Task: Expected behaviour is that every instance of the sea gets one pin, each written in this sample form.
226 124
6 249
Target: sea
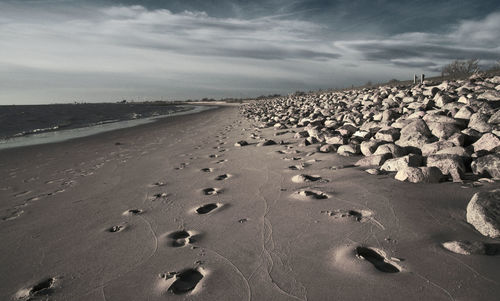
22 125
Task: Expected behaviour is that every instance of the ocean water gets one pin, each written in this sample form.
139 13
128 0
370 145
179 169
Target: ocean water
37 124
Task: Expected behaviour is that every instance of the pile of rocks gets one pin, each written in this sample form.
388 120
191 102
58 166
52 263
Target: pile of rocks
424 133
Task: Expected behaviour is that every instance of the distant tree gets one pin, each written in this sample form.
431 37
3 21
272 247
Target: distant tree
369 83
393 81
461 68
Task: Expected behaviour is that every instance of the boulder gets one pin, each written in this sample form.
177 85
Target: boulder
397 164
465 247
432 148
483 212
337 140
488 166
415 134
348 150
370 146
419 174
266 143
443 130
449 165
488 142
391 148
479 122
327 148
388 134
373 160
241 143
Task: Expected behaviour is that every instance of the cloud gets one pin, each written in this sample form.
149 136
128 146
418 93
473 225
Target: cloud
469 39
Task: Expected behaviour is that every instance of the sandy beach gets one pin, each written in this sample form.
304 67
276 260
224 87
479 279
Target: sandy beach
173 210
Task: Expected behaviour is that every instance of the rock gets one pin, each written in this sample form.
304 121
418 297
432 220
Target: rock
327 148
419 174
373 171
347 130
415 134
373 160
441 99
391 148
266 143
483 212
479 122
449 165
389 134
495 118
487 166
336 140
370 146
444 130
397 164
455 150
301 134
464 113
348 150
465 247
241 143
432 148
487 142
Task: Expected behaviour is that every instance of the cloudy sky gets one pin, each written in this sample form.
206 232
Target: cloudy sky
88 50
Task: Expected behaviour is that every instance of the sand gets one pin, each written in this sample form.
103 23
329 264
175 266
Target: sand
174 210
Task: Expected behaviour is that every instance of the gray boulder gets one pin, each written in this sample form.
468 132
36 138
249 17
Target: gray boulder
487 166
487 142
483 212
449 165
419 175
397 164
373 160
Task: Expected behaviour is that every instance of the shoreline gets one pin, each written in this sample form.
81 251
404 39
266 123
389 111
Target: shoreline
60 135
96 220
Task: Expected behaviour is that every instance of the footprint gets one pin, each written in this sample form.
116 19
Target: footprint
132 212
211 191
13 215
221 161
207 208
159 184
207 169
298 166
181 238
185 281
43 288
302 178
222 177
377 258
115 229
310 194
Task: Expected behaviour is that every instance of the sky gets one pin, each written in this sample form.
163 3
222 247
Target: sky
54 51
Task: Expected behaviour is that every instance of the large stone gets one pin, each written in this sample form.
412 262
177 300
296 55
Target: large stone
415 134
337 140
487 142
487 166
373 160
483 212
348 150
370 146
455 150
495 118
419 174
391 148
397 164
466 247
432 148
479 122
449 165
465 113
389 134
444 130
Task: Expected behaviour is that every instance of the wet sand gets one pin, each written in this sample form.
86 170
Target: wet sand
174 210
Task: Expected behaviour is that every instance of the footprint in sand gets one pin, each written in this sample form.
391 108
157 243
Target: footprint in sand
207 169
115 229
377 258
310 195
159 184
221 161
43 288
303 178
222 177
211 191
205 209
13 215
181 238
132 212
183 282
298 166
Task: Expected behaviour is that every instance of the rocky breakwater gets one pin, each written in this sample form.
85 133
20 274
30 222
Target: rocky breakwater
422 133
